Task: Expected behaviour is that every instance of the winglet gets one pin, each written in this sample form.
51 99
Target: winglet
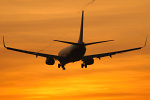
145 42
4 42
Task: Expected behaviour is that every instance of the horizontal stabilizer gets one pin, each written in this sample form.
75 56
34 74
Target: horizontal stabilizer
66 42
97 42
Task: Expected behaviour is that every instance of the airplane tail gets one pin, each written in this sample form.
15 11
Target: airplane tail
81 36
81 30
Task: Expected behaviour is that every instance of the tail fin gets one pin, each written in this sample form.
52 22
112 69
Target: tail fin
81 30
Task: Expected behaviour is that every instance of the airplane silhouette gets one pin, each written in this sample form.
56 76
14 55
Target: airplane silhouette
74 52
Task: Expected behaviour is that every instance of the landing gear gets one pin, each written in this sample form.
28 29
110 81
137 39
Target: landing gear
63 67
83 65
59 65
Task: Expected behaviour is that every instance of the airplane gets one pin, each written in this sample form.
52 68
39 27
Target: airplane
74 52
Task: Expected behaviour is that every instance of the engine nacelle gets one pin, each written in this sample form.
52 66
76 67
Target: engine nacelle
88 61
50 61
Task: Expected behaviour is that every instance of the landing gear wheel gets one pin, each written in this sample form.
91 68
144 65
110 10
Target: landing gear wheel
85 66
63 67
59 65
82 65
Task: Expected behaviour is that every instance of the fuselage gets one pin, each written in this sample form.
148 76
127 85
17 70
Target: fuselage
72 53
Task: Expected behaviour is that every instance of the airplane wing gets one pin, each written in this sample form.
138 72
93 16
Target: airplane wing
30 52
112 53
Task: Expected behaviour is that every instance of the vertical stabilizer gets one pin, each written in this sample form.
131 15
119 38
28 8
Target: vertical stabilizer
81 30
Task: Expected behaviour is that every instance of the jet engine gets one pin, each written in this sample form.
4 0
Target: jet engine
50 61
88 61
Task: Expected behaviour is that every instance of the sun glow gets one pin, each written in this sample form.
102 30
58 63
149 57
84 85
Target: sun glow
33 25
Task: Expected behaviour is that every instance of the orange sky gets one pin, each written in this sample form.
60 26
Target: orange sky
34 24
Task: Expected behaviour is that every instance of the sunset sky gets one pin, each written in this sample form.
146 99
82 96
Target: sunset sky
34 24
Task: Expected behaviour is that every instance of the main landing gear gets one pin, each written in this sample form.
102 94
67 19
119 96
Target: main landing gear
83 65
59 65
